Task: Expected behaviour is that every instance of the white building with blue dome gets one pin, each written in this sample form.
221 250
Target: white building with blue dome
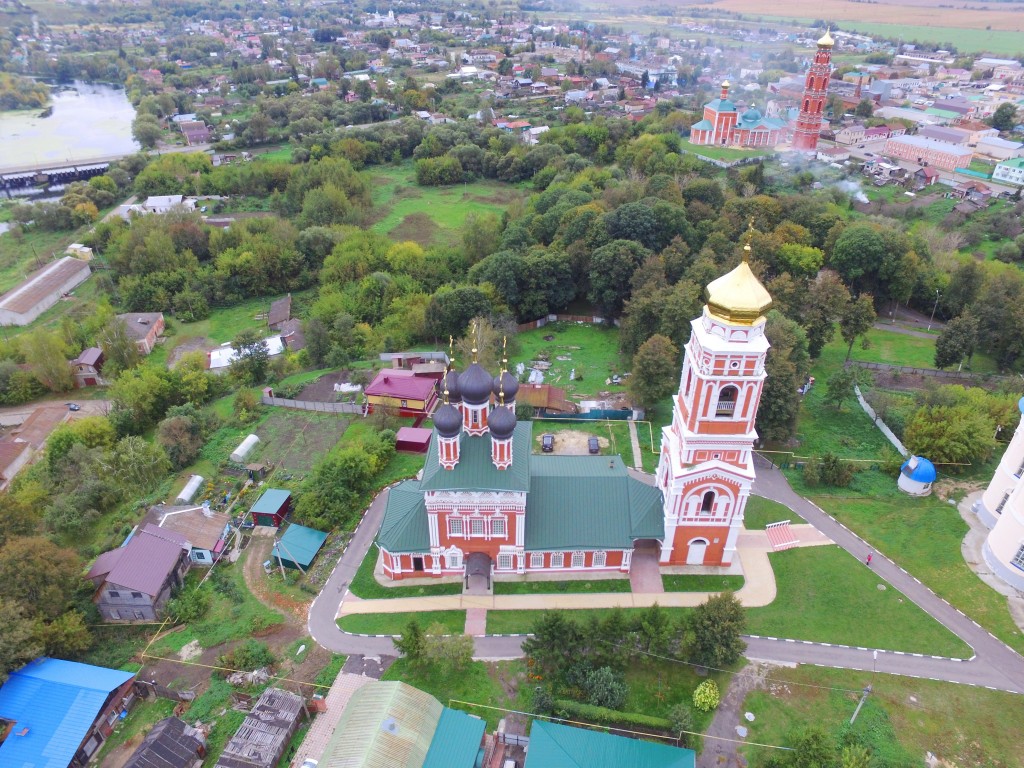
1001 508
916 476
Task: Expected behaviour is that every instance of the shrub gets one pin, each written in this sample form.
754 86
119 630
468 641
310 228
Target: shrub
250 655
706 696
189 606
573 710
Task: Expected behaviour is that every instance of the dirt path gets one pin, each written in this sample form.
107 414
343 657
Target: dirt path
717 752
256 553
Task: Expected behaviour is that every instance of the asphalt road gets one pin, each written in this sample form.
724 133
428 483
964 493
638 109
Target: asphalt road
994 664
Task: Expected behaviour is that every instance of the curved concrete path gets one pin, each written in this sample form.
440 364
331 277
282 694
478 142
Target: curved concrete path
994 665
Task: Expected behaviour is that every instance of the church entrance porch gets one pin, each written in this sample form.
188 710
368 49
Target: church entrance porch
477 579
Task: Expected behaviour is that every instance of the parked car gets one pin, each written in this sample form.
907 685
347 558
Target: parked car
593 446
74 407
547 443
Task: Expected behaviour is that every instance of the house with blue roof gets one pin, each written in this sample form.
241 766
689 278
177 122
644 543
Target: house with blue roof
58 713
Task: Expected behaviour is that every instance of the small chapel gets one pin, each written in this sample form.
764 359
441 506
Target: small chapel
485 505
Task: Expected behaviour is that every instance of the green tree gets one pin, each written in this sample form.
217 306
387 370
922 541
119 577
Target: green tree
856 319
864 109
136 465
655 371
814 749
554 644
65 636
825 300
855 756
605 688
681 717
119 349
706 696
1005 117
146 130
654 630
956 434
411 642
446 654
182 439
19 642
611 269
956 342
251 357
840 386
715 627
786 365
39 575
47 355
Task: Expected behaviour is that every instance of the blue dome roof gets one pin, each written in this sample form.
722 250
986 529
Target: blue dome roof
919 469
751 116
1020 405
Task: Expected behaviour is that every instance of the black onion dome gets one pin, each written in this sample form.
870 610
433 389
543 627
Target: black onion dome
475 385
448 420
451 383
507 383
501 422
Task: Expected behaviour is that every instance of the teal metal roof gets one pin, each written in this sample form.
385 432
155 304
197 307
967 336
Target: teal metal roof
475 472
271 501
722 105
299 544
589 502
560 746
56 702
456 741
702 125
404 528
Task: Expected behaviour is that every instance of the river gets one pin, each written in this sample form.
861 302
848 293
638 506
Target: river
93 121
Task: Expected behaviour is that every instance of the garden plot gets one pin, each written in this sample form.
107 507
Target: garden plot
296 440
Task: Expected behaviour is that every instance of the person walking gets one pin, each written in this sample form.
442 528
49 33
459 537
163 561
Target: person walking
870 555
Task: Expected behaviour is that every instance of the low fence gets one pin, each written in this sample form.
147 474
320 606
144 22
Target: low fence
934 372
513 739
540 322
313 405
595 414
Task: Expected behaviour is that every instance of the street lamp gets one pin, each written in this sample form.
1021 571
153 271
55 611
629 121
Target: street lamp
932 318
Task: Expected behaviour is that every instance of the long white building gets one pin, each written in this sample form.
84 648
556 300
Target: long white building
1001 508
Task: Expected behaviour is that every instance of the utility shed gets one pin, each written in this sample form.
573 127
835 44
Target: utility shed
272 507
262 737
413 439
297 548
169 744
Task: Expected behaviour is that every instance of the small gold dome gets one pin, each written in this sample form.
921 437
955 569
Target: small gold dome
738 297
826 41
725 84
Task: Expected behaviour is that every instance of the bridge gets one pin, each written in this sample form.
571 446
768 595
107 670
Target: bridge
28 176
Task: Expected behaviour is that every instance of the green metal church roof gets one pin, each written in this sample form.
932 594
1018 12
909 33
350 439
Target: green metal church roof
475 472
589 502
404 527
299 545
560 746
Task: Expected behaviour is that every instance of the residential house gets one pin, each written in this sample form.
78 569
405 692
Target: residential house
976 131
169 744
924 177
832 154
272 507
161 204
58 713
87 366
144 327
262 737
206 531
1010 171
195 132
134 581
15 454
280 311
921 150
850 134
402 390
1000 149
553 745
973 192
292 335
41 290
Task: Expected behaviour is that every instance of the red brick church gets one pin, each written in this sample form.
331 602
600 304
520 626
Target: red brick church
486 505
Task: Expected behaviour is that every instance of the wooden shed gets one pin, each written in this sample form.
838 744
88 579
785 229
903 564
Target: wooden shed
272 507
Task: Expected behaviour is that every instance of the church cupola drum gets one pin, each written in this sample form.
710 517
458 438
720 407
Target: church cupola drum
812 105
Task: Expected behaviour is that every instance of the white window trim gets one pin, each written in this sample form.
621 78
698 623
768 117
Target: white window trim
581 556
505 561
460 523
495 523
536 559
477 521
600 559
1018 559
558 559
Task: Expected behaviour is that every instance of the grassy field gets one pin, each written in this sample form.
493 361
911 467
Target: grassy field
592 350
827 596
431 215
454 622
925 536
365 586
480 683
727 154
761 511
901 349
560 587
902 720
695 582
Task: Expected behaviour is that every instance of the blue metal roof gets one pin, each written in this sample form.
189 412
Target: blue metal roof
55 703
1020 405
919 469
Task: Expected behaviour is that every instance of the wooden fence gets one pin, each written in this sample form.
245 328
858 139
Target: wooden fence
313 405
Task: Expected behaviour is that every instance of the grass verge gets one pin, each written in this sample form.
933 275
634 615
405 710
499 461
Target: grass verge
365 586
454 622
695 582
596 586
761 511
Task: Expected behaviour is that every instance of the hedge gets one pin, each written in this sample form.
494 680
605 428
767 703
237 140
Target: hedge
574 710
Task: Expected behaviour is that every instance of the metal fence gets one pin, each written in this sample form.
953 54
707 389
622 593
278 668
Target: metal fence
513 739
934 372
313 405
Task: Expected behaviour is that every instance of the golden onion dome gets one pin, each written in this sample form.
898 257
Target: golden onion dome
826 40
738 297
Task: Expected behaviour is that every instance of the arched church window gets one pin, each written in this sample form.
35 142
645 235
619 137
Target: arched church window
726 401
807 105
707 503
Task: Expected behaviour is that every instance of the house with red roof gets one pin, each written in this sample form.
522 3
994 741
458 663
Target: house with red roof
135 580
402 390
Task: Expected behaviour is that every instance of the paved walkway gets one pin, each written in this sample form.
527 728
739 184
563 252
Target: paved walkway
634 440
320 732
994 665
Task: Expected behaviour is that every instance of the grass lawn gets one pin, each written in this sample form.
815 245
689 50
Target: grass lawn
761 511
480 683
431 215
901 349
224 323
597 586
35 249
902 719
827 596
592 350
925 536
695 582
365 586
454 622
724 153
